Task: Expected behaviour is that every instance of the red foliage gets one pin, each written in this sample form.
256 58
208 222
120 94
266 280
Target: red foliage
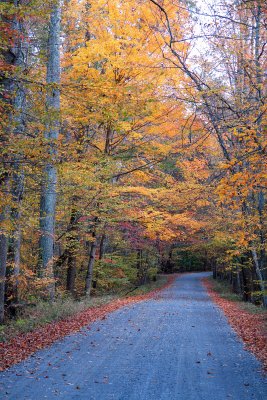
22 346
251 328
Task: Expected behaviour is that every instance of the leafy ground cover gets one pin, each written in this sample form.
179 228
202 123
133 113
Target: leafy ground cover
248 321
19 347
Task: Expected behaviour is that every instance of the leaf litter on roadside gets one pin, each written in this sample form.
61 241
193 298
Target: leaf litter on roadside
23 346
251 328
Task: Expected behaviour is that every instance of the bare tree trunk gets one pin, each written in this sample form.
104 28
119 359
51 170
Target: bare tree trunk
17 191
72 248
141 273
259 276
3 255
49 186
15 54
20 51
15 256
102 246
3 259
246 289
71 272
89 275
214 268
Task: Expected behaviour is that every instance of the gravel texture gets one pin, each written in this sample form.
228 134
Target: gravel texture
177 346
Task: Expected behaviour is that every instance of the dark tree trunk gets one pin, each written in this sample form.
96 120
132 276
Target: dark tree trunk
90 267
169 263
141 276
236 282
71 272
20 51
15 240
246 286
12 94
259 276
102 246
3 263
72 249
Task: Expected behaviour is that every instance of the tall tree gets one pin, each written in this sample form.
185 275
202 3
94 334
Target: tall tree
49 184
13 63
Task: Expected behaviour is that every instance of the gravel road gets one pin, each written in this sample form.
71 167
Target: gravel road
178 346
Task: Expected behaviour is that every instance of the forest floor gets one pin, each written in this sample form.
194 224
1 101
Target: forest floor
175 345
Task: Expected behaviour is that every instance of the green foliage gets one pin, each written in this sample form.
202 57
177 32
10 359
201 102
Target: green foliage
161 280
225 291
114 273
190 260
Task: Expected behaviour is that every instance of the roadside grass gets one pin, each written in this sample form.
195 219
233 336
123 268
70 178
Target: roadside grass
225 291
148 287
43 313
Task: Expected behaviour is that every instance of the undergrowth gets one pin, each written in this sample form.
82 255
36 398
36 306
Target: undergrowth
44 312
225 291
161 281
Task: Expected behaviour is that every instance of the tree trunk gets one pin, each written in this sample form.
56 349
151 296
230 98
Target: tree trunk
15 243
236 282
49 186
141 277
214 268
3 259
71 273
89 275
169 263
262 234
246 286
102 246
20 51
12 93
72 246
259 277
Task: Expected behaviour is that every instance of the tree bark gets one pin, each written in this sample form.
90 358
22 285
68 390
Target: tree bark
246 289
102 246
71 272
89 275
72 248
3 260
3 257
141 273
17 188
259 276
49 185
15 55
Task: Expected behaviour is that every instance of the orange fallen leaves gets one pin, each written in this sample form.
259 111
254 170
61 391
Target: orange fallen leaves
22 346
251 328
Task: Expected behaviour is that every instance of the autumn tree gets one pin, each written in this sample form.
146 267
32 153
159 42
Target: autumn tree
231 98
14 52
